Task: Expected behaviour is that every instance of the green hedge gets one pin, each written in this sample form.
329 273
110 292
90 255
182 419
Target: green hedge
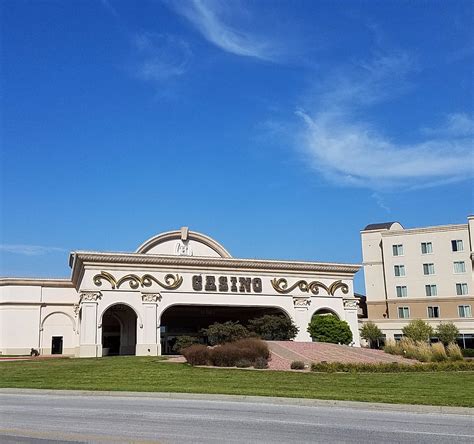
468 352
392 367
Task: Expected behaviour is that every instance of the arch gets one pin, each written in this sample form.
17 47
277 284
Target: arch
59 312
325 311
137 314
177 234
119 324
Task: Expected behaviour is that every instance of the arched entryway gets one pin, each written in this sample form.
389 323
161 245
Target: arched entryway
119 331
188 320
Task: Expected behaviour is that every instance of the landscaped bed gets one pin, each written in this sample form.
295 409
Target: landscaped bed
154 375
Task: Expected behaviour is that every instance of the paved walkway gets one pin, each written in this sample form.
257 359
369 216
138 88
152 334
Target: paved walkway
284 352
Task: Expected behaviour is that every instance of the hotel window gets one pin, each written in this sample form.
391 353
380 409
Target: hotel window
431 290
397 250
401 291
403 312
461 289
399 270
464 311
457 245
459 267
426 248
428 269
433 312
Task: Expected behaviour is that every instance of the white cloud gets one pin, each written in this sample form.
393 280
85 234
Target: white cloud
348 150
29 250
162 56
210 18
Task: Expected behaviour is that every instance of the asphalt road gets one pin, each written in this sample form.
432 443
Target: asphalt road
41 418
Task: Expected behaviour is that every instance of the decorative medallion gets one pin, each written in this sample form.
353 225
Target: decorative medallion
172 282
90 296
281 286
151 297
301 302
351 303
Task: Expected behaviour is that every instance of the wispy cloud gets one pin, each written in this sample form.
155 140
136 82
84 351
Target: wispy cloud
349 150
162 56
212 19
29 250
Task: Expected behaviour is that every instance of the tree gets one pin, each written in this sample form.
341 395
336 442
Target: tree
227 332
273 328
328 328
418 330
447 332
371 333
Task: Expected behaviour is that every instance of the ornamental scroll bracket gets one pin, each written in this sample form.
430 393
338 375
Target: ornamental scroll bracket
351 303
151 297
281 286
171 281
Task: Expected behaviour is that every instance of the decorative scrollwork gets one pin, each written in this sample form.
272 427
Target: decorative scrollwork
281 286
171 281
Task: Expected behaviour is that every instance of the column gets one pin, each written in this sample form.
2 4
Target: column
301 307
88 336
350 314
150 342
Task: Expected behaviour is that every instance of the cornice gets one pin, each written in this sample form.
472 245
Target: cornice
423 230
43 282
81 258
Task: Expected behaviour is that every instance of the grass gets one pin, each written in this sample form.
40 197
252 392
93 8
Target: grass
154 375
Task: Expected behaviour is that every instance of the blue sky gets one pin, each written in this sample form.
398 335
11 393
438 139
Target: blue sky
280 128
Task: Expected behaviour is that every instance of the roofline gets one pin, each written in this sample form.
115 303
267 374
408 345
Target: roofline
43 282
449 227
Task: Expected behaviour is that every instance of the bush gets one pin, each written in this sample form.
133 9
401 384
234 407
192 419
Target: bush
261 363
184 342
328 328
297 365
447 332
273 328
468 352
454 352
196 354
227 355
392 347
423 352
227 332
371 333
418 330
392 367
438 352
243 363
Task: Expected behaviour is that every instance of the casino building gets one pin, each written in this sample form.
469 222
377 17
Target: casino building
175 283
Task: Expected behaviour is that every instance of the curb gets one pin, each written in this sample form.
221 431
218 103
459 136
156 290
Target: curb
368 406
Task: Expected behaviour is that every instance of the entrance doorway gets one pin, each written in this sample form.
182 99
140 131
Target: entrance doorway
119 331
57 345
189 320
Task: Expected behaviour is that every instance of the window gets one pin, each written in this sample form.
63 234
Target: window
459 267
433 312
461 289
464 311
403 312
401 291
457 245
426 248
431 290
397 250
428 269
399 270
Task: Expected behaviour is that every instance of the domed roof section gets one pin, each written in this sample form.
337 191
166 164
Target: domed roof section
183 243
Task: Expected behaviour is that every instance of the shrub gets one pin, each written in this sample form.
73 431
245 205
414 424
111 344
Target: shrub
196 354
243 363
273 328
407 348
418 330
328 328
468 352
371 333
392 347
392 367
297 365
227 332
454 352
184 342
423 352
261 363
227 355
438 352
447 332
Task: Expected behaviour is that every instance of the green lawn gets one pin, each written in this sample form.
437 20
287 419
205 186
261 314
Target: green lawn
155 375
